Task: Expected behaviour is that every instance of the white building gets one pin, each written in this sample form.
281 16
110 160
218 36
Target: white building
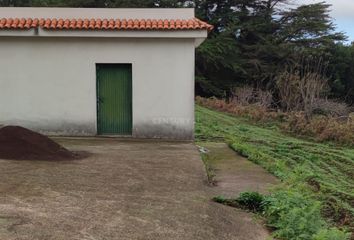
82 72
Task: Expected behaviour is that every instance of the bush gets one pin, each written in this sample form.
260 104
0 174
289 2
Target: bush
301 83
246 96
322 128
331 234
251 200
256 112
292 215
226 201
330 108
296 217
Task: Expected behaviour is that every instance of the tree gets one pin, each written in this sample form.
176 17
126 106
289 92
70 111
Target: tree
256 38
15 3
218 61
112 3
308 27
341 68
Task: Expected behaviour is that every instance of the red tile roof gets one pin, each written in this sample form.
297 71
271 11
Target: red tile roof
104 24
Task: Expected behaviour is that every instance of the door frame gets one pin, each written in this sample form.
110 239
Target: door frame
97 64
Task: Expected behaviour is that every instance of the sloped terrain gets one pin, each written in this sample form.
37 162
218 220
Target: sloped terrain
319 171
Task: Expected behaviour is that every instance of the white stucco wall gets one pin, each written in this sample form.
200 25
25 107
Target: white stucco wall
49 84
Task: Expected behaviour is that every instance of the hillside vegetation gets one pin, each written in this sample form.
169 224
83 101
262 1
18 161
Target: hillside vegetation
314 175
321 127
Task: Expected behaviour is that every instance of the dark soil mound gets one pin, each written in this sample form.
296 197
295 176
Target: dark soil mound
19 143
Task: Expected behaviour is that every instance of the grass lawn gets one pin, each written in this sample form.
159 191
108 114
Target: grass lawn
323 172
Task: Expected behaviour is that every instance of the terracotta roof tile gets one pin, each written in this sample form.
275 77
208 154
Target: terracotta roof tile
104 24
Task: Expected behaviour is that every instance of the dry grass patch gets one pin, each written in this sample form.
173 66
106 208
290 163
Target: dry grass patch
322 128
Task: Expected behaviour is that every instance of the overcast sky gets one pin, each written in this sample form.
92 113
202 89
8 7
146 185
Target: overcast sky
342 12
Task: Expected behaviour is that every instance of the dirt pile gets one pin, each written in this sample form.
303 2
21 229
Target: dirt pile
19 143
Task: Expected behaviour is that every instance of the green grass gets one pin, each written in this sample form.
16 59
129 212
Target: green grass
323 172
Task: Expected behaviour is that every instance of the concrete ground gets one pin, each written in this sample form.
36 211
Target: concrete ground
235 174
123 190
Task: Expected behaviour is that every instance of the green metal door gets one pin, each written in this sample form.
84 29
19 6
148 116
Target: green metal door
114 99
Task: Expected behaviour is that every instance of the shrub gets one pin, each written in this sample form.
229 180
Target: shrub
331 234
330 108
294 216
322 128
219 199
226 201
246 96
251 200
264 98
243 96
301 83
256 112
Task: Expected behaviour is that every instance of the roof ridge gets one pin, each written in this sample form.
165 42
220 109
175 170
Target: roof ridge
103 24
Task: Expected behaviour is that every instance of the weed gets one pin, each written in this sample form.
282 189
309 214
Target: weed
228 202
252 201
210 171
